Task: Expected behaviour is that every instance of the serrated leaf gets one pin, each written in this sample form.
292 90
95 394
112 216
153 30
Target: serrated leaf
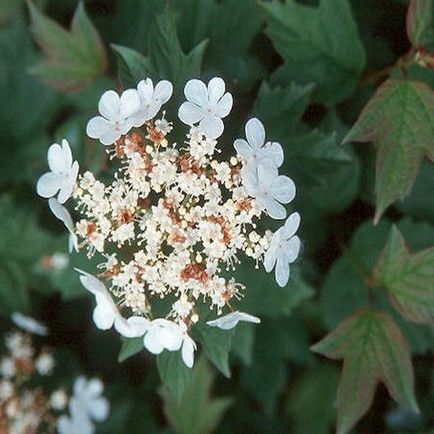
174 375
408 278
399 119
72 59
373 350
129 348
196 412
310 42
420 24
217 345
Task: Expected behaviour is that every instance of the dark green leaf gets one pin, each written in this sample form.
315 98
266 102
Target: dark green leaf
420 24
129 348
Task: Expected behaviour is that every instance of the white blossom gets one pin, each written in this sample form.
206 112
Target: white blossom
151 100
163 334
61 213
116 116
284 249
255 150
77 422
269 188
206 105
63 173
58 400
230 320
29 324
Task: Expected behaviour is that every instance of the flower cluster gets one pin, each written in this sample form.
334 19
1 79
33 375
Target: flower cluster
175 216
26 408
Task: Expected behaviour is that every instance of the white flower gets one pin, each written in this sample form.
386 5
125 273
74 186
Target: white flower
63 173
7 368
151 99
58 400
44 364
116 116
206 105
89 400
163 334
29 324
230 320
61 213
255 150
284 249
269 188
106 314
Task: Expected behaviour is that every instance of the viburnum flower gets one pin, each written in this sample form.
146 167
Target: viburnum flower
63 173
230 320
269 188
61 213
206 105
175 215
151 100
284 249
255 150
116 116
29 324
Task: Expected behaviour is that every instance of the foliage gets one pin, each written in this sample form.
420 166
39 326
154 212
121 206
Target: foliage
347 88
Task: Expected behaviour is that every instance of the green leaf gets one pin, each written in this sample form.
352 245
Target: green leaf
72 59
217 345
174 375
242 342
399 118
310 411
8 8
408 278
196 412
129 348
373 350
309 40
420 24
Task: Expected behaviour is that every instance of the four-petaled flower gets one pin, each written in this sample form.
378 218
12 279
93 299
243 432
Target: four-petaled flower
255 150
116 116
206 105
284 249
269 188
230 320
151 99
63 173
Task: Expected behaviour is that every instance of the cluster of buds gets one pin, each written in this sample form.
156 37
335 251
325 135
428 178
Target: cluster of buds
175 216
26 407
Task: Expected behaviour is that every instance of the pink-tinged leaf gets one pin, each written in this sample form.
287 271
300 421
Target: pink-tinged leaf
408 278
72 59
373 350
399 119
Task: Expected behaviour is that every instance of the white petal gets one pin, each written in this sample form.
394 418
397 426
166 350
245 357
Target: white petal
130 103
283 189
274 209
94 387
270 257
152 343
212 126
109 105
188 348
170 337
60 157
132 327
146 90
163 92
91 283
98 127
267 173
61 213
99 410
190 113
274 152
29 324
103 314
216 89
291 225
243 149
79 386
110 136
224 106
249 176
255 133
72 243
68 184
292 249
282 272
49 184
196 92
230 320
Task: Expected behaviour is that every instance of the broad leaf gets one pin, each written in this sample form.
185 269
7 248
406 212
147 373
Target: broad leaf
373 350
8 8
309 40
408 278
174 375
420 24
196 412
129 348
399 119
72 59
